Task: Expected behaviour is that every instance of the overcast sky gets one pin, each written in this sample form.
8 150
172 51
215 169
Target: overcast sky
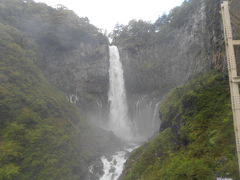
105 14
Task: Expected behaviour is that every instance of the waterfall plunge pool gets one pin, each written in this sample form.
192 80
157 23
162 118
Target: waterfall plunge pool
114 164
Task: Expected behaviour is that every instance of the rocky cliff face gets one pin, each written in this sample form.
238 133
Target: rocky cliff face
157 57
188 43
234 10
81 73
177 47
73 54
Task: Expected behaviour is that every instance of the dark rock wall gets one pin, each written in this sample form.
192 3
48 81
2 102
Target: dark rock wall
82 73
175 55
193 47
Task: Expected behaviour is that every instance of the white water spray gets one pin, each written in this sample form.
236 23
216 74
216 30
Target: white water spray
119 121
113 165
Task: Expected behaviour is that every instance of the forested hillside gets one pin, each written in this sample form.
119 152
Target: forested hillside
43 135
186 48
54 84
196 139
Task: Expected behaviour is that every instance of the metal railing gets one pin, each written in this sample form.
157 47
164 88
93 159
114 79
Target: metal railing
234 80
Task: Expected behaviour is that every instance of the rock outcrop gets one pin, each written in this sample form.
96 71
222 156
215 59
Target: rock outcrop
177 47
82 73
188 43
73 54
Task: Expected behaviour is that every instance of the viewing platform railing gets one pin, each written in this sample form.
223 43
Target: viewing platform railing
234 79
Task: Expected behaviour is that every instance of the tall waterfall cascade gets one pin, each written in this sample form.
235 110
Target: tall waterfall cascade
143 122
118 118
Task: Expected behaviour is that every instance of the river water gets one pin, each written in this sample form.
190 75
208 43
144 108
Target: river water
113 165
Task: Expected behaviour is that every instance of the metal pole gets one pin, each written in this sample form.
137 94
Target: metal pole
234 79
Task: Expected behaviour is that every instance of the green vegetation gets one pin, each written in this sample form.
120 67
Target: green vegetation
196 141
55 28
141 34
57 32
36 136
42 136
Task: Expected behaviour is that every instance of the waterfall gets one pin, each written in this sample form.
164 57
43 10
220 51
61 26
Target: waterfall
118 117
145 116
155 119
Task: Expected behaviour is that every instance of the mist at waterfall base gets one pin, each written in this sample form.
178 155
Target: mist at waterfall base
133 120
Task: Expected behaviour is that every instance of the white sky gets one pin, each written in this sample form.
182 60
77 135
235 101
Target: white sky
105 14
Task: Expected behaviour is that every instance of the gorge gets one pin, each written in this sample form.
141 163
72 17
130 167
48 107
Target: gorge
152 104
